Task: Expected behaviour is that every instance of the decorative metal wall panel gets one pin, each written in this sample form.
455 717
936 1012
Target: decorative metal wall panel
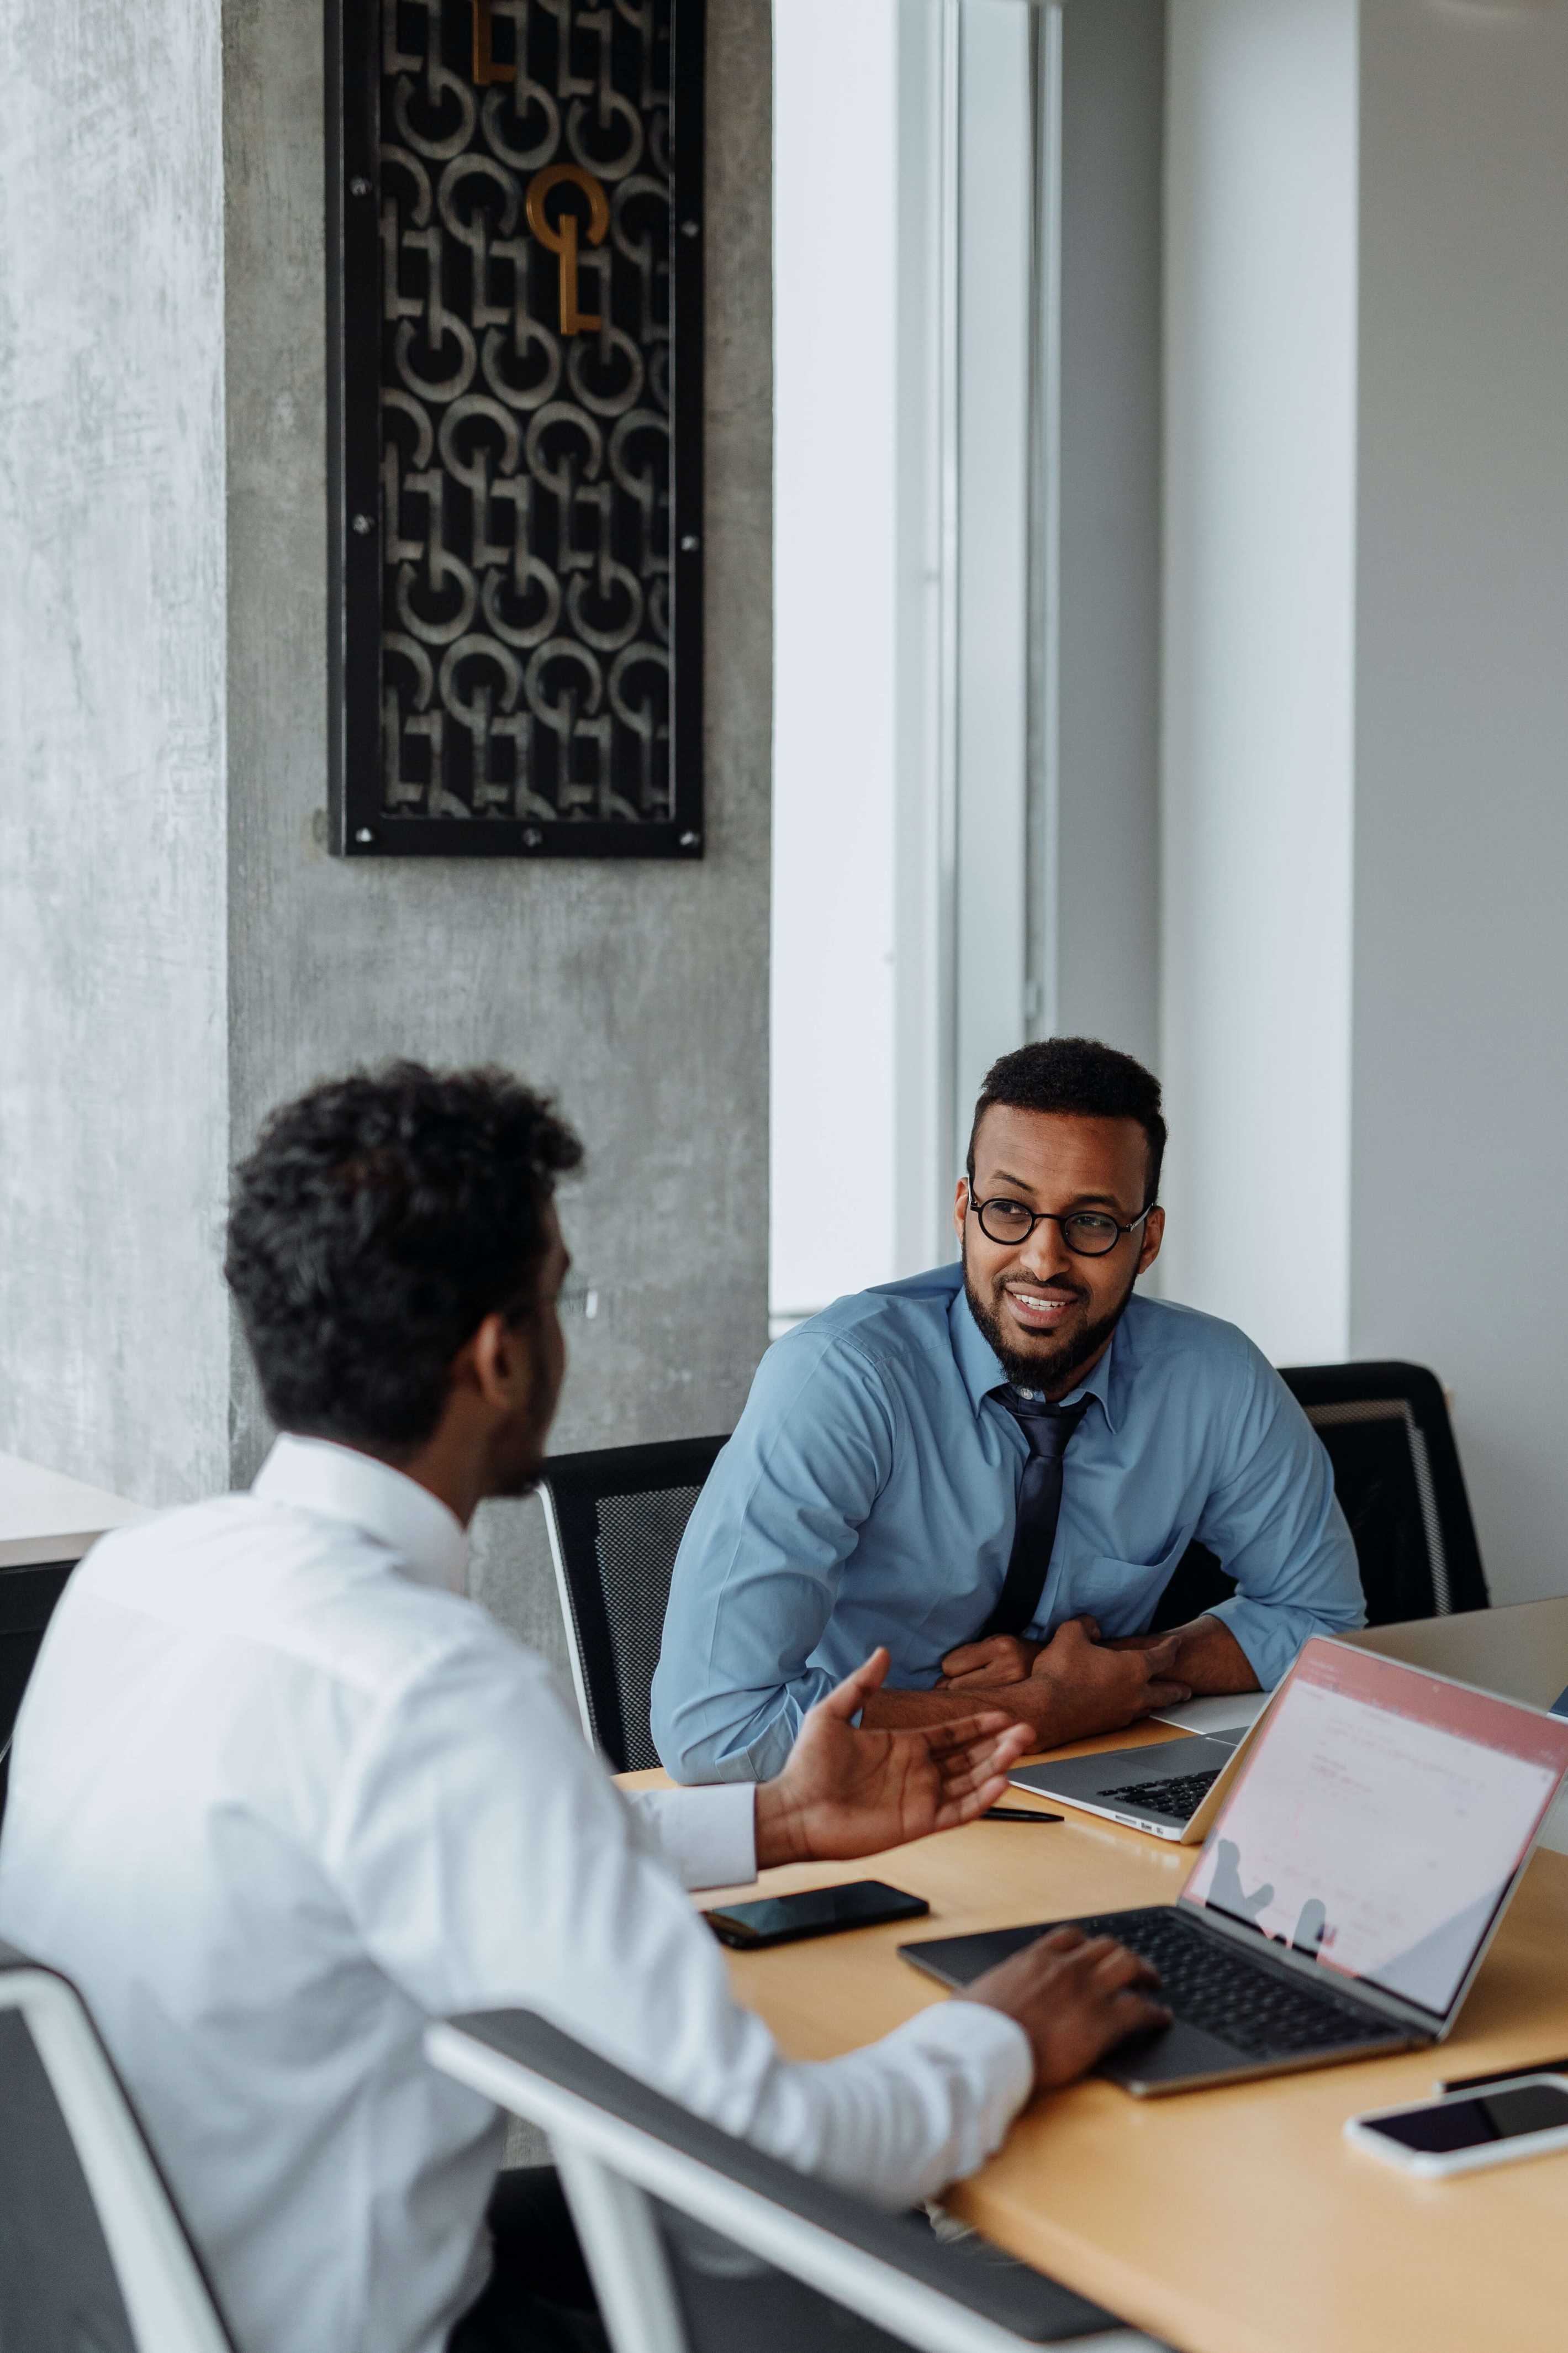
515 331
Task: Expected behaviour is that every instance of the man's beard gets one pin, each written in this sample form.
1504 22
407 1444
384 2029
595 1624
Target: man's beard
1054 1366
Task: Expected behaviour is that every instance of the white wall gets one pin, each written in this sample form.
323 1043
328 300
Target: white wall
1261 280
835 261
1460 1149
1367 575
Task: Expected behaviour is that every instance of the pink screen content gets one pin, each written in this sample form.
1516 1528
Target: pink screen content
1380 1819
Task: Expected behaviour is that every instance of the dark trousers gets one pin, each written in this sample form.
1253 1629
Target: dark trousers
539 2298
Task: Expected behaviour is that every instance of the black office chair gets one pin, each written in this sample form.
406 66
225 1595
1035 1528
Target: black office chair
27 1597
93 2256
1398 1476
1386 1431
696 2242
616 1519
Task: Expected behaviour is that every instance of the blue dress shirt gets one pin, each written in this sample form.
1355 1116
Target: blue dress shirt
871 1492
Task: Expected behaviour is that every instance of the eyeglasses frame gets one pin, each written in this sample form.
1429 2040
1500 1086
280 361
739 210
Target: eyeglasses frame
1055 1218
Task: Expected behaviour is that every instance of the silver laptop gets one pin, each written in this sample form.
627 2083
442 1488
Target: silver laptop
1173 1789
1362 1859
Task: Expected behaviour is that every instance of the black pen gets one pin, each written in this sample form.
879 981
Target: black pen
1017 1814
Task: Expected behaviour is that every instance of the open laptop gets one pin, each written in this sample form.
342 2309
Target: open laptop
1362 1857
1173 1788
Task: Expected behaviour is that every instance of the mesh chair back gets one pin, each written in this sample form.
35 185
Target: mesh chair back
1398 1476
1386 1431
615 1520
745 2206
94 2258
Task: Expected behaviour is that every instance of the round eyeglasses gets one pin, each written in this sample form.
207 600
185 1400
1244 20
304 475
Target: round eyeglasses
1088 1233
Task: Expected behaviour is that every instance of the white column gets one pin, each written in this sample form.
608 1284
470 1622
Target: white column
1258 663
1460 1100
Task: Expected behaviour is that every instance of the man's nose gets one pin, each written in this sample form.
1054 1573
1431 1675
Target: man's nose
1045 1253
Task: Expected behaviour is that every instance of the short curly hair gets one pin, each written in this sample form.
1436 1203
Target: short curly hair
380 1218
1076 1074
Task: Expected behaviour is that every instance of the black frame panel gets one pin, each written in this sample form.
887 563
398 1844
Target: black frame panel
361 823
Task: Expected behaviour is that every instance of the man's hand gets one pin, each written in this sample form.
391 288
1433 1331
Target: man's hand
1076 1685
1092 1688
1209 1659
983 1665
846 1792
1075 1997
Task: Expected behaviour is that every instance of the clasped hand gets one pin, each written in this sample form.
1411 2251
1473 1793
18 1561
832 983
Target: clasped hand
1083 1684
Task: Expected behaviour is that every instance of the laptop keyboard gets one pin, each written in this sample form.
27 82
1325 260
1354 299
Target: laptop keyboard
1180 1798
1205 1984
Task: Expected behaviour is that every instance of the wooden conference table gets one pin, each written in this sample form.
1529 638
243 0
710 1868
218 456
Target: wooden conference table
1237 2220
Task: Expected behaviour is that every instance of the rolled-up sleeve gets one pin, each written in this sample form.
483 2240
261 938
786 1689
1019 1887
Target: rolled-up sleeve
1274 1523
757 1576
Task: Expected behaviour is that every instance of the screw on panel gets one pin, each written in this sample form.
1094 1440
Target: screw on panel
359 188
365 834
361 524
531 838
688 540
688 229
689 841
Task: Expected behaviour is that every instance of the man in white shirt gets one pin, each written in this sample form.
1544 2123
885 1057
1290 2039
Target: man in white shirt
280 1794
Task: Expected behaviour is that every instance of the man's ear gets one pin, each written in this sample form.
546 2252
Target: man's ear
1154 1235
959 1206
501 1358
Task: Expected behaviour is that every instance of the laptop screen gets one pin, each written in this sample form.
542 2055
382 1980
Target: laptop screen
1379 1820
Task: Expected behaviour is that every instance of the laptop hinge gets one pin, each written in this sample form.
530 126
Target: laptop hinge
1407 2015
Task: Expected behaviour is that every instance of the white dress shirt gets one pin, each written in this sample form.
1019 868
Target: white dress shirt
280 1795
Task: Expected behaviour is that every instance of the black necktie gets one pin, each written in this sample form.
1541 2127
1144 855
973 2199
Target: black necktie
1047 1428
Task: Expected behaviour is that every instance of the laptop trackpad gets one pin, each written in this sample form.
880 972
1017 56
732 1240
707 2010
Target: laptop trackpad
1178 2055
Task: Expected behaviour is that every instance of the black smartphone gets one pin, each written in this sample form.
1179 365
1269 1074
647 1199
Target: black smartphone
816 1912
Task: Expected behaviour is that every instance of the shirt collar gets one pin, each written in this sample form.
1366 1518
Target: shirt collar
981 1368
338 1482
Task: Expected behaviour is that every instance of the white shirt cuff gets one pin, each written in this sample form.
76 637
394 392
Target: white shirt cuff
709 1835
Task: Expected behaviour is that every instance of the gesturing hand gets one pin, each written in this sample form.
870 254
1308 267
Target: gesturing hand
848 1791
1076 1997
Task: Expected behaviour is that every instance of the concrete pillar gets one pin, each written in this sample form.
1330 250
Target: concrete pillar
181 950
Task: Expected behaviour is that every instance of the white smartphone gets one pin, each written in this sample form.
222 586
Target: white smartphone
1526 2116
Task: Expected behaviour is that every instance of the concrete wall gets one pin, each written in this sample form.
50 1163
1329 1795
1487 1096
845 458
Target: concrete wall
180 952
1461 1136
1260 292
638 992
113 1118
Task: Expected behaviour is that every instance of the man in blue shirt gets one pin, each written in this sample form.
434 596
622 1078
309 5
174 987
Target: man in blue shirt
995 1468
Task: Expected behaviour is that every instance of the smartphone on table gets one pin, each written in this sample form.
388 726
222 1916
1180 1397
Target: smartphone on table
816 1912
1461 2130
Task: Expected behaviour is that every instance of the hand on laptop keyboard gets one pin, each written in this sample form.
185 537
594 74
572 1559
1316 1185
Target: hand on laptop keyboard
1076 1997
1255 2009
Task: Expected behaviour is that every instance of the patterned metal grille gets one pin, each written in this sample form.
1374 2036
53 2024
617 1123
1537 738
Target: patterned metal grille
517 338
